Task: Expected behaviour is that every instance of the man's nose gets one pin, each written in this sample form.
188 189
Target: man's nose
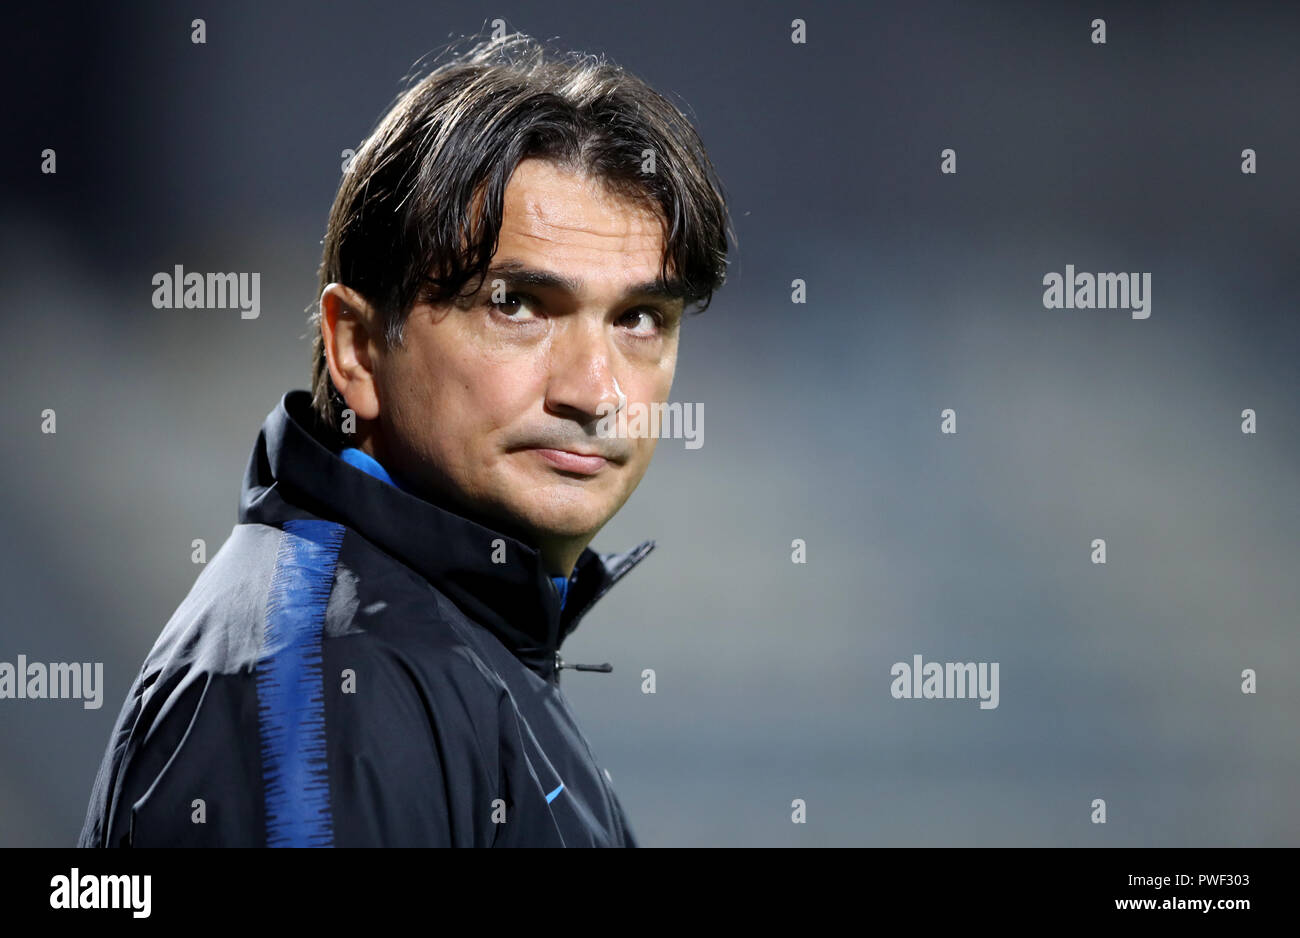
582 378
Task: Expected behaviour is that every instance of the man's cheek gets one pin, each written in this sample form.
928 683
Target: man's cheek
494 399
635 468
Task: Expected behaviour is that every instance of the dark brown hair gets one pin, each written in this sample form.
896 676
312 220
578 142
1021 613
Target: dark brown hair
418 212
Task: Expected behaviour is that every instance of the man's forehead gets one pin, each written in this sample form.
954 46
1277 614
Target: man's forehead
570 225
546 203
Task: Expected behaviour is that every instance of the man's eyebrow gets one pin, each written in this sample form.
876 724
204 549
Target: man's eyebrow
516 273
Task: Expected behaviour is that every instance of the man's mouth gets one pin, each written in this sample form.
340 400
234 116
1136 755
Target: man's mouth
568 461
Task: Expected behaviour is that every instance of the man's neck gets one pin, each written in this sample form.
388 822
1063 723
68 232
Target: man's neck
560 559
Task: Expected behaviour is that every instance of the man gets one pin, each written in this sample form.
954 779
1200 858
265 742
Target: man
372 658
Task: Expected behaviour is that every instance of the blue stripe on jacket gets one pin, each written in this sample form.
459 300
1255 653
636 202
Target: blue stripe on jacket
290 690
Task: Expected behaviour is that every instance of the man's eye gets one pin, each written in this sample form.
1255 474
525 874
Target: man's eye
517 307
645 322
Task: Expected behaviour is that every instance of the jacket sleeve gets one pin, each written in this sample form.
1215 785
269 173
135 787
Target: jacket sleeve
172 767
629 838
181 768
202 759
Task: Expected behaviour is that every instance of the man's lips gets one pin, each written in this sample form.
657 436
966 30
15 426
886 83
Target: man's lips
570 461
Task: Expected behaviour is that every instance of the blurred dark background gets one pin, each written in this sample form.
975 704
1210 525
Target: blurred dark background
1119 682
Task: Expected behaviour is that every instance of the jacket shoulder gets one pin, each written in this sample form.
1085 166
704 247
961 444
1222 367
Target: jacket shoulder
286 703
211 637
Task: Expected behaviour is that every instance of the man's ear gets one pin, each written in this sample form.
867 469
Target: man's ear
353 338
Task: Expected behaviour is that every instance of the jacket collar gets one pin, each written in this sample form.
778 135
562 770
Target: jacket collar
293 468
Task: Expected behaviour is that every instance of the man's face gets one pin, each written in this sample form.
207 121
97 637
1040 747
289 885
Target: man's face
496 404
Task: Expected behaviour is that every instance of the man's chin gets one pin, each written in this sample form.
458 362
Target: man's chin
550 515
560 525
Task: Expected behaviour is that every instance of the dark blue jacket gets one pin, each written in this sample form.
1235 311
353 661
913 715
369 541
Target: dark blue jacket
352 668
